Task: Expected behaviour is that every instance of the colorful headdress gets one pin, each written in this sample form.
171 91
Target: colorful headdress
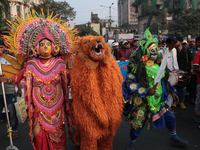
148 39
27 31
144 43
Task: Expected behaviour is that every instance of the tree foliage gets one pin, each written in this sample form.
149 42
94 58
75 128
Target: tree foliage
146 9
61 7
186 25
4 13
86 30
160 18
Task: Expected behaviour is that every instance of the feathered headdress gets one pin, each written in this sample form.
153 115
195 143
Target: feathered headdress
28 30
148 39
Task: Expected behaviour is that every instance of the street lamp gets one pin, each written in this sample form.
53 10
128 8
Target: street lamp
109 13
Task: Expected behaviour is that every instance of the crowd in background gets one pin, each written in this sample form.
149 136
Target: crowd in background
183 55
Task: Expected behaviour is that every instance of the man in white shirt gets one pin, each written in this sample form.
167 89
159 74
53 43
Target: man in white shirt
171 62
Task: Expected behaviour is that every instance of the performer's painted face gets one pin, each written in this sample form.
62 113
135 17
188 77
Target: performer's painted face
45 48
153 52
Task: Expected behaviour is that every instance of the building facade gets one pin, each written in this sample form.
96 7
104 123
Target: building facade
17 6
127 16
143 16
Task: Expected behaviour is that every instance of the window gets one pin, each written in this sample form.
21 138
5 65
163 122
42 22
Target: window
158 7
18 10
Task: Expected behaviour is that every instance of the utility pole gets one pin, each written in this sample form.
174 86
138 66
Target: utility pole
109 14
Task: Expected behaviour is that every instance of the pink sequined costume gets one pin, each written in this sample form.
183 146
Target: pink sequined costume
46 78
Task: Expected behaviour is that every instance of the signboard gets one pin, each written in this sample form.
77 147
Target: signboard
169 18
110 34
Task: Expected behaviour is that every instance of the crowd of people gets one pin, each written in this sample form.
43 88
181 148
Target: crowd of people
182 55
47 77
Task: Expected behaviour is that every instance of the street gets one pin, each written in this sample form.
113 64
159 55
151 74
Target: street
156 139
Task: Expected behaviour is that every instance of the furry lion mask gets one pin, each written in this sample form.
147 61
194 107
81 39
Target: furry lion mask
96 86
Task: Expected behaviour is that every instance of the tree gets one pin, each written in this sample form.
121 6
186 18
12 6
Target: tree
186 25
161 22
58 7
4 13
86 30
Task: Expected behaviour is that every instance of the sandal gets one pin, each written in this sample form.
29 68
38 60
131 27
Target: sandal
14 135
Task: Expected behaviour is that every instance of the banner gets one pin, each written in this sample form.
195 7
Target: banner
123 68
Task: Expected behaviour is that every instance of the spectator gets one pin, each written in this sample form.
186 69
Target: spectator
160 45
163 43
135 45
185 63
124 53
196 63
115 49
184 43
193 82
10 96
171 63
129 45
191 44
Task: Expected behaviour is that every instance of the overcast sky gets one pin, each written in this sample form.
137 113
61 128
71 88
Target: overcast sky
84 8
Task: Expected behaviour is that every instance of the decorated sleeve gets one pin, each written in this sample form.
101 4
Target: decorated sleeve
130 86
17 78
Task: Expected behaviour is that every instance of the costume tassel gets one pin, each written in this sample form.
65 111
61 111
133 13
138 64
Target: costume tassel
42 11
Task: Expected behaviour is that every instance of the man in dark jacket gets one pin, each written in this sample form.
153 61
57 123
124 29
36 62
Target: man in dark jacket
185 63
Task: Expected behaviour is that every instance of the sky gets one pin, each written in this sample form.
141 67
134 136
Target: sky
84 8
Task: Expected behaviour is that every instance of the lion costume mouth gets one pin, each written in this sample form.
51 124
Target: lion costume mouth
98 49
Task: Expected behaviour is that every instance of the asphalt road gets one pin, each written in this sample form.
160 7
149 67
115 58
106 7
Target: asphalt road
156 139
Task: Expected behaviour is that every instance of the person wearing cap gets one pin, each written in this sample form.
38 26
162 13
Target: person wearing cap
9 64
184 43
124 53
115 49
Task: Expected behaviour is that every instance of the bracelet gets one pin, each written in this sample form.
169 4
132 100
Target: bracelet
9 80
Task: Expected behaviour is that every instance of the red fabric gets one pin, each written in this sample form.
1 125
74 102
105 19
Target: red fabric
123 53
43 61
17 78
42 141
133 49
196 61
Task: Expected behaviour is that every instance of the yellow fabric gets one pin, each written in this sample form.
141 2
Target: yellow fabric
19 58
9 71
12 61
14 68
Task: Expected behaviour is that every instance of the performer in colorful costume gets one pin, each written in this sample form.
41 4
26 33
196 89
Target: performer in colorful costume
42 40
97 93
146 90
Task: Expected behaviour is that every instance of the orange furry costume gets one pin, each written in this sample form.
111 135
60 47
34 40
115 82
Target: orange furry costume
96 86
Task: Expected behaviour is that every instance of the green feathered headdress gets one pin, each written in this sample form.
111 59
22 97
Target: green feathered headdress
145 42
148 39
